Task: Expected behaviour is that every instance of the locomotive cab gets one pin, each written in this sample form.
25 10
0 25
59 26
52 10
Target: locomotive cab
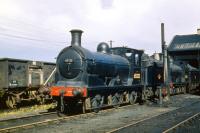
134 57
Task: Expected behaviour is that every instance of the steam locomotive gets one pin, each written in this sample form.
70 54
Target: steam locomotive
183 78
153 75
112 76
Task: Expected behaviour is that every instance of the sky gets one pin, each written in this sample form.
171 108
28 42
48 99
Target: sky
39 29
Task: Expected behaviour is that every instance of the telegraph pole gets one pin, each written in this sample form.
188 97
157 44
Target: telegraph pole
165 62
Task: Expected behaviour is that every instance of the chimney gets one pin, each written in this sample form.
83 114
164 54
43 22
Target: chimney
198 31
76 37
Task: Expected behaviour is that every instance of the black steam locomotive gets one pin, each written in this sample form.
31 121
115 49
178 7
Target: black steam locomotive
110 76
183 78
153 77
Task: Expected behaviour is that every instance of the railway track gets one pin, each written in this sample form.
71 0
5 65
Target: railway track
191 124
15 124
166 122
148 124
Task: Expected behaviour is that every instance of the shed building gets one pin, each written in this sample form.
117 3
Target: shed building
186 48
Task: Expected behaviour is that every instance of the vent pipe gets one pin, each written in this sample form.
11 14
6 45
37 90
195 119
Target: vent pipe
76 37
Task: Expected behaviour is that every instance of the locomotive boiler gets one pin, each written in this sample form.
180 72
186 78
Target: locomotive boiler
93 79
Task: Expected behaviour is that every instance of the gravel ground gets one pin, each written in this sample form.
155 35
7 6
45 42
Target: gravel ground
25 111
107 121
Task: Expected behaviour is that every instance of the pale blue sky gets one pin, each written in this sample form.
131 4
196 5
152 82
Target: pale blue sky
39 29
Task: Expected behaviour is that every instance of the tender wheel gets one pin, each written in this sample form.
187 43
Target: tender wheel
11 102
133 97
146 94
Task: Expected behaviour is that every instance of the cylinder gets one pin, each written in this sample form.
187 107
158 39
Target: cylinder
76 37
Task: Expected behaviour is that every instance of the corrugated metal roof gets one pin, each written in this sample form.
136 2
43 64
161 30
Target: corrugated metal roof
185 42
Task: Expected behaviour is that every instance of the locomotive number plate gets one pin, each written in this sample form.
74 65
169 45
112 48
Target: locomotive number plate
136 76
